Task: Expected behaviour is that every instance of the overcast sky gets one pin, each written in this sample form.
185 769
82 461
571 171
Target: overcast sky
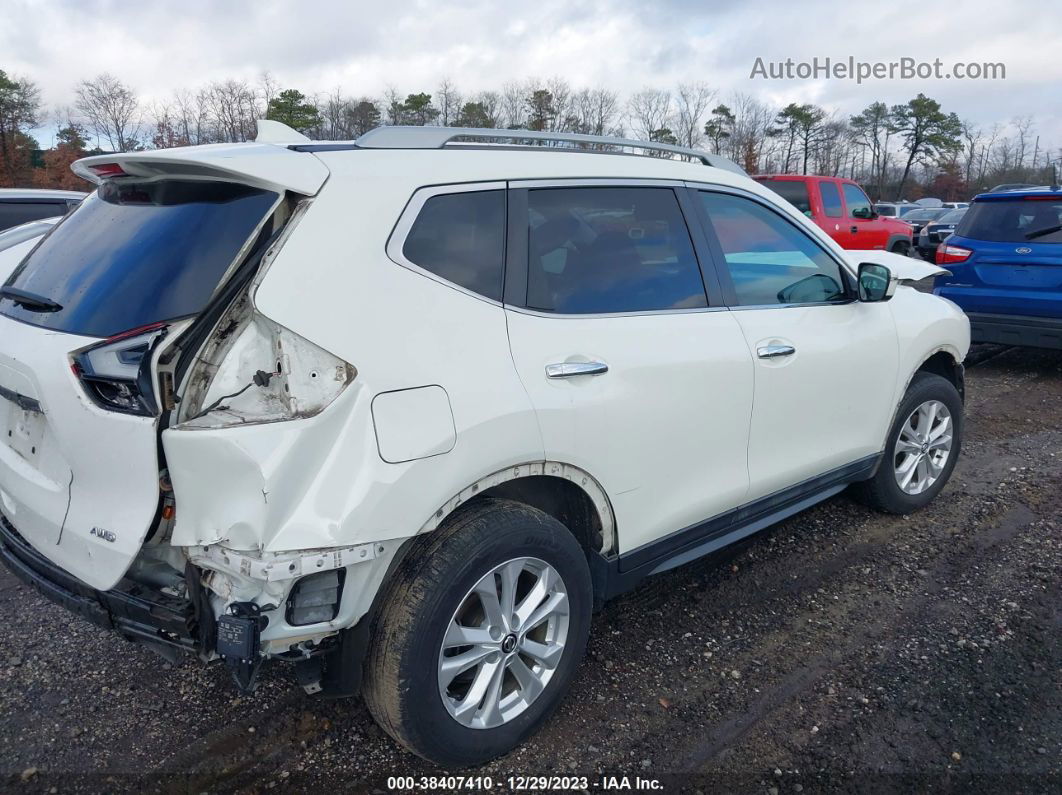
622 44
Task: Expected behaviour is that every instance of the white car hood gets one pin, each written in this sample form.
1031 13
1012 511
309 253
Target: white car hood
904 268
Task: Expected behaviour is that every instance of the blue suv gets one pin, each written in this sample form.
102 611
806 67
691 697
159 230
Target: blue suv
1005 258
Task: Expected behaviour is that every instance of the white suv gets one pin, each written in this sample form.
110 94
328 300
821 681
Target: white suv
402 412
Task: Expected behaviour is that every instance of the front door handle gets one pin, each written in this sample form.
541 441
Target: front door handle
570 369
774 351
855 229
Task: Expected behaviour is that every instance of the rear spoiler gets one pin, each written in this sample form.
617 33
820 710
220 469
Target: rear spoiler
263 165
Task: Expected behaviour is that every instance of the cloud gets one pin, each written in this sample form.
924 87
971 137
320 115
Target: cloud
623 44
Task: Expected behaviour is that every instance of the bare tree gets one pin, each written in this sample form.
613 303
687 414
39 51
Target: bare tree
561 92
268 88
1024 125
448 101
692 101
595 111
111 110
191 113
491 104
332 110
514 105
234 110
650 113
392 106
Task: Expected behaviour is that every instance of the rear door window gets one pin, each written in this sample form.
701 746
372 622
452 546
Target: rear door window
460 237
831 199
608 250
1013 221
137 254
15 213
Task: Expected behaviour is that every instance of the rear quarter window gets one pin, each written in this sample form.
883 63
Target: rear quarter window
460 237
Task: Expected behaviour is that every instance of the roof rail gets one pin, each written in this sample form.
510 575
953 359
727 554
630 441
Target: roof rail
400 137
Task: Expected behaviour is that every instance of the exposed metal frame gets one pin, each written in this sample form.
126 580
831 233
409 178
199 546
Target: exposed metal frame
410 137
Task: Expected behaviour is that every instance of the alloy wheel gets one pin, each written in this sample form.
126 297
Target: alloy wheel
503 643
923 447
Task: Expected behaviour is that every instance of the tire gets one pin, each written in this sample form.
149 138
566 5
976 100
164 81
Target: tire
431 591
884 491
901 247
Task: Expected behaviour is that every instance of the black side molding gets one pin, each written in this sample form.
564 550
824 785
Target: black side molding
614 576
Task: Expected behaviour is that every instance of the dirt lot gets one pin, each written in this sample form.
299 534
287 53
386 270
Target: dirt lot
841 651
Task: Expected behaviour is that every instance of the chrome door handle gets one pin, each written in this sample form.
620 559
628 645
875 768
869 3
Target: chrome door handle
774 351
569 369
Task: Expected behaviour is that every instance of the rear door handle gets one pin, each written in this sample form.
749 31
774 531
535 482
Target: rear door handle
774 351
570 369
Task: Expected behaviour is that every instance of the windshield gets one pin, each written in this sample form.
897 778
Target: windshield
885 209
952 217
793 191
1014 221
923 215
136 254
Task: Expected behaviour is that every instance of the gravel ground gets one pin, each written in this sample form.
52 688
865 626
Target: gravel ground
840 651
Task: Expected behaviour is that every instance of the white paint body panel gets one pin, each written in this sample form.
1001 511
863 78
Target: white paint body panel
664 430
829 403
413 423
92 468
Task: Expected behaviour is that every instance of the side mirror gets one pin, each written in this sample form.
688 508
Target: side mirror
863 212
876 283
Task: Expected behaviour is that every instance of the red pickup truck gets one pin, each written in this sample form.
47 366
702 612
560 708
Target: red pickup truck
841 208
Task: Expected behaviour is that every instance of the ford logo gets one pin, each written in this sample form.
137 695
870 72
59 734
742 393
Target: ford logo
1023 250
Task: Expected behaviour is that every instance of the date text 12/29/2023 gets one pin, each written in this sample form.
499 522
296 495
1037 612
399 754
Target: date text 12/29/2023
455 783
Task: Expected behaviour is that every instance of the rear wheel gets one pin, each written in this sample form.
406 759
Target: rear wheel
482 630
921 450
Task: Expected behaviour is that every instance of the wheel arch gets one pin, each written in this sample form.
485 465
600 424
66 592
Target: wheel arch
899 238
946 362
570 494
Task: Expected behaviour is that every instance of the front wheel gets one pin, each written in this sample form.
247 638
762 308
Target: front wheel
483 627
901 247
921 450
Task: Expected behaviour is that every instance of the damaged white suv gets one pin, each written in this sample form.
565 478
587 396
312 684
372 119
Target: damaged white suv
402 412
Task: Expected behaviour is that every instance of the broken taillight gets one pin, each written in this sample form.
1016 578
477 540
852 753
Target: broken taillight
114 372
265 373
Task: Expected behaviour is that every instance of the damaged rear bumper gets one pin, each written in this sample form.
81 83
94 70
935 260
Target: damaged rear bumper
166 623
